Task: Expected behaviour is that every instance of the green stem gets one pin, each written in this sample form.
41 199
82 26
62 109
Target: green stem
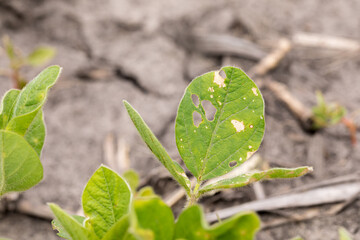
194 195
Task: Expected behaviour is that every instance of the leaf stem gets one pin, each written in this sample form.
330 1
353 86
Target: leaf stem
194 195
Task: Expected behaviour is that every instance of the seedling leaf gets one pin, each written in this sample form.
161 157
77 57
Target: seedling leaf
236 130
159 151
152 218
247 178
20 166
40 56
132 178
22 133
118 230
106 199
7 106
61 230
192 225
71 226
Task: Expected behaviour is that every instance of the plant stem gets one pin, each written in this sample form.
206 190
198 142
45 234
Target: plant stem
194 195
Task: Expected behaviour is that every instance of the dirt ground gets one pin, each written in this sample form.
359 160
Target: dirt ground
137 46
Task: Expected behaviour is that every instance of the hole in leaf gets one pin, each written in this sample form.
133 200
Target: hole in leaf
197 119
195 100
210 110
222 74
232 164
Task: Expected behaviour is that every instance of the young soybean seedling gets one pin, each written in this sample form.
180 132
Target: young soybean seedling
113 208
215 144
17 61
22 133
114 211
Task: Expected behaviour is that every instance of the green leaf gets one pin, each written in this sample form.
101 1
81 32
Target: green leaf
23 114
9 48
31 99
344 234
132 178
326 114
35 134
105 200
192 225
61 230
146 192
217 145
118 230
152 219
7 105
41 55
159 151
71 226
247 178
20 166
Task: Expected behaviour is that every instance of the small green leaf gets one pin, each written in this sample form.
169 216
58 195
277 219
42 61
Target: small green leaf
118 230
152 219
23 133
132 178
247 178
25 117
326 114
33 96
192 225
105 200
7 105
228 138
41 55
71 226
35 134
9 47
344 234
61 230
20 166
159 151
146 192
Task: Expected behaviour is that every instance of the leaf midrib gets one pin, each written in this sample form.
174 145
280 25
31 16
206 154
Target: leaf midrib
216 126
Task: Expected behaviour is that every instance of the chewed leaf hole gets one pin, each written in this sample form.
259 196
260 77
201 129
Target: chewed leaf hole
210 110
232 164
222 74
197 119
195 100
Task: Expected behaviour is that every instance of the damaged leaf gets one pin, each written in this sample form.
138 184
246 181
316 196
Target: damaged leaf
234 133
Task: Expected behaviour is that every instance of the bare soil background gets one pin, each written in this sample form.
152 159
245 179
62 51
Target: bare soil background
137 47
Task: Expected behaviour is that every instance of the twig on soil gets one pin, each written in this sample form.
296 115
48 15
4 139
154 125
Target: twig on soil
301 112
328 182
224 45
116 156
325 41
271 60
25 207
331 194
